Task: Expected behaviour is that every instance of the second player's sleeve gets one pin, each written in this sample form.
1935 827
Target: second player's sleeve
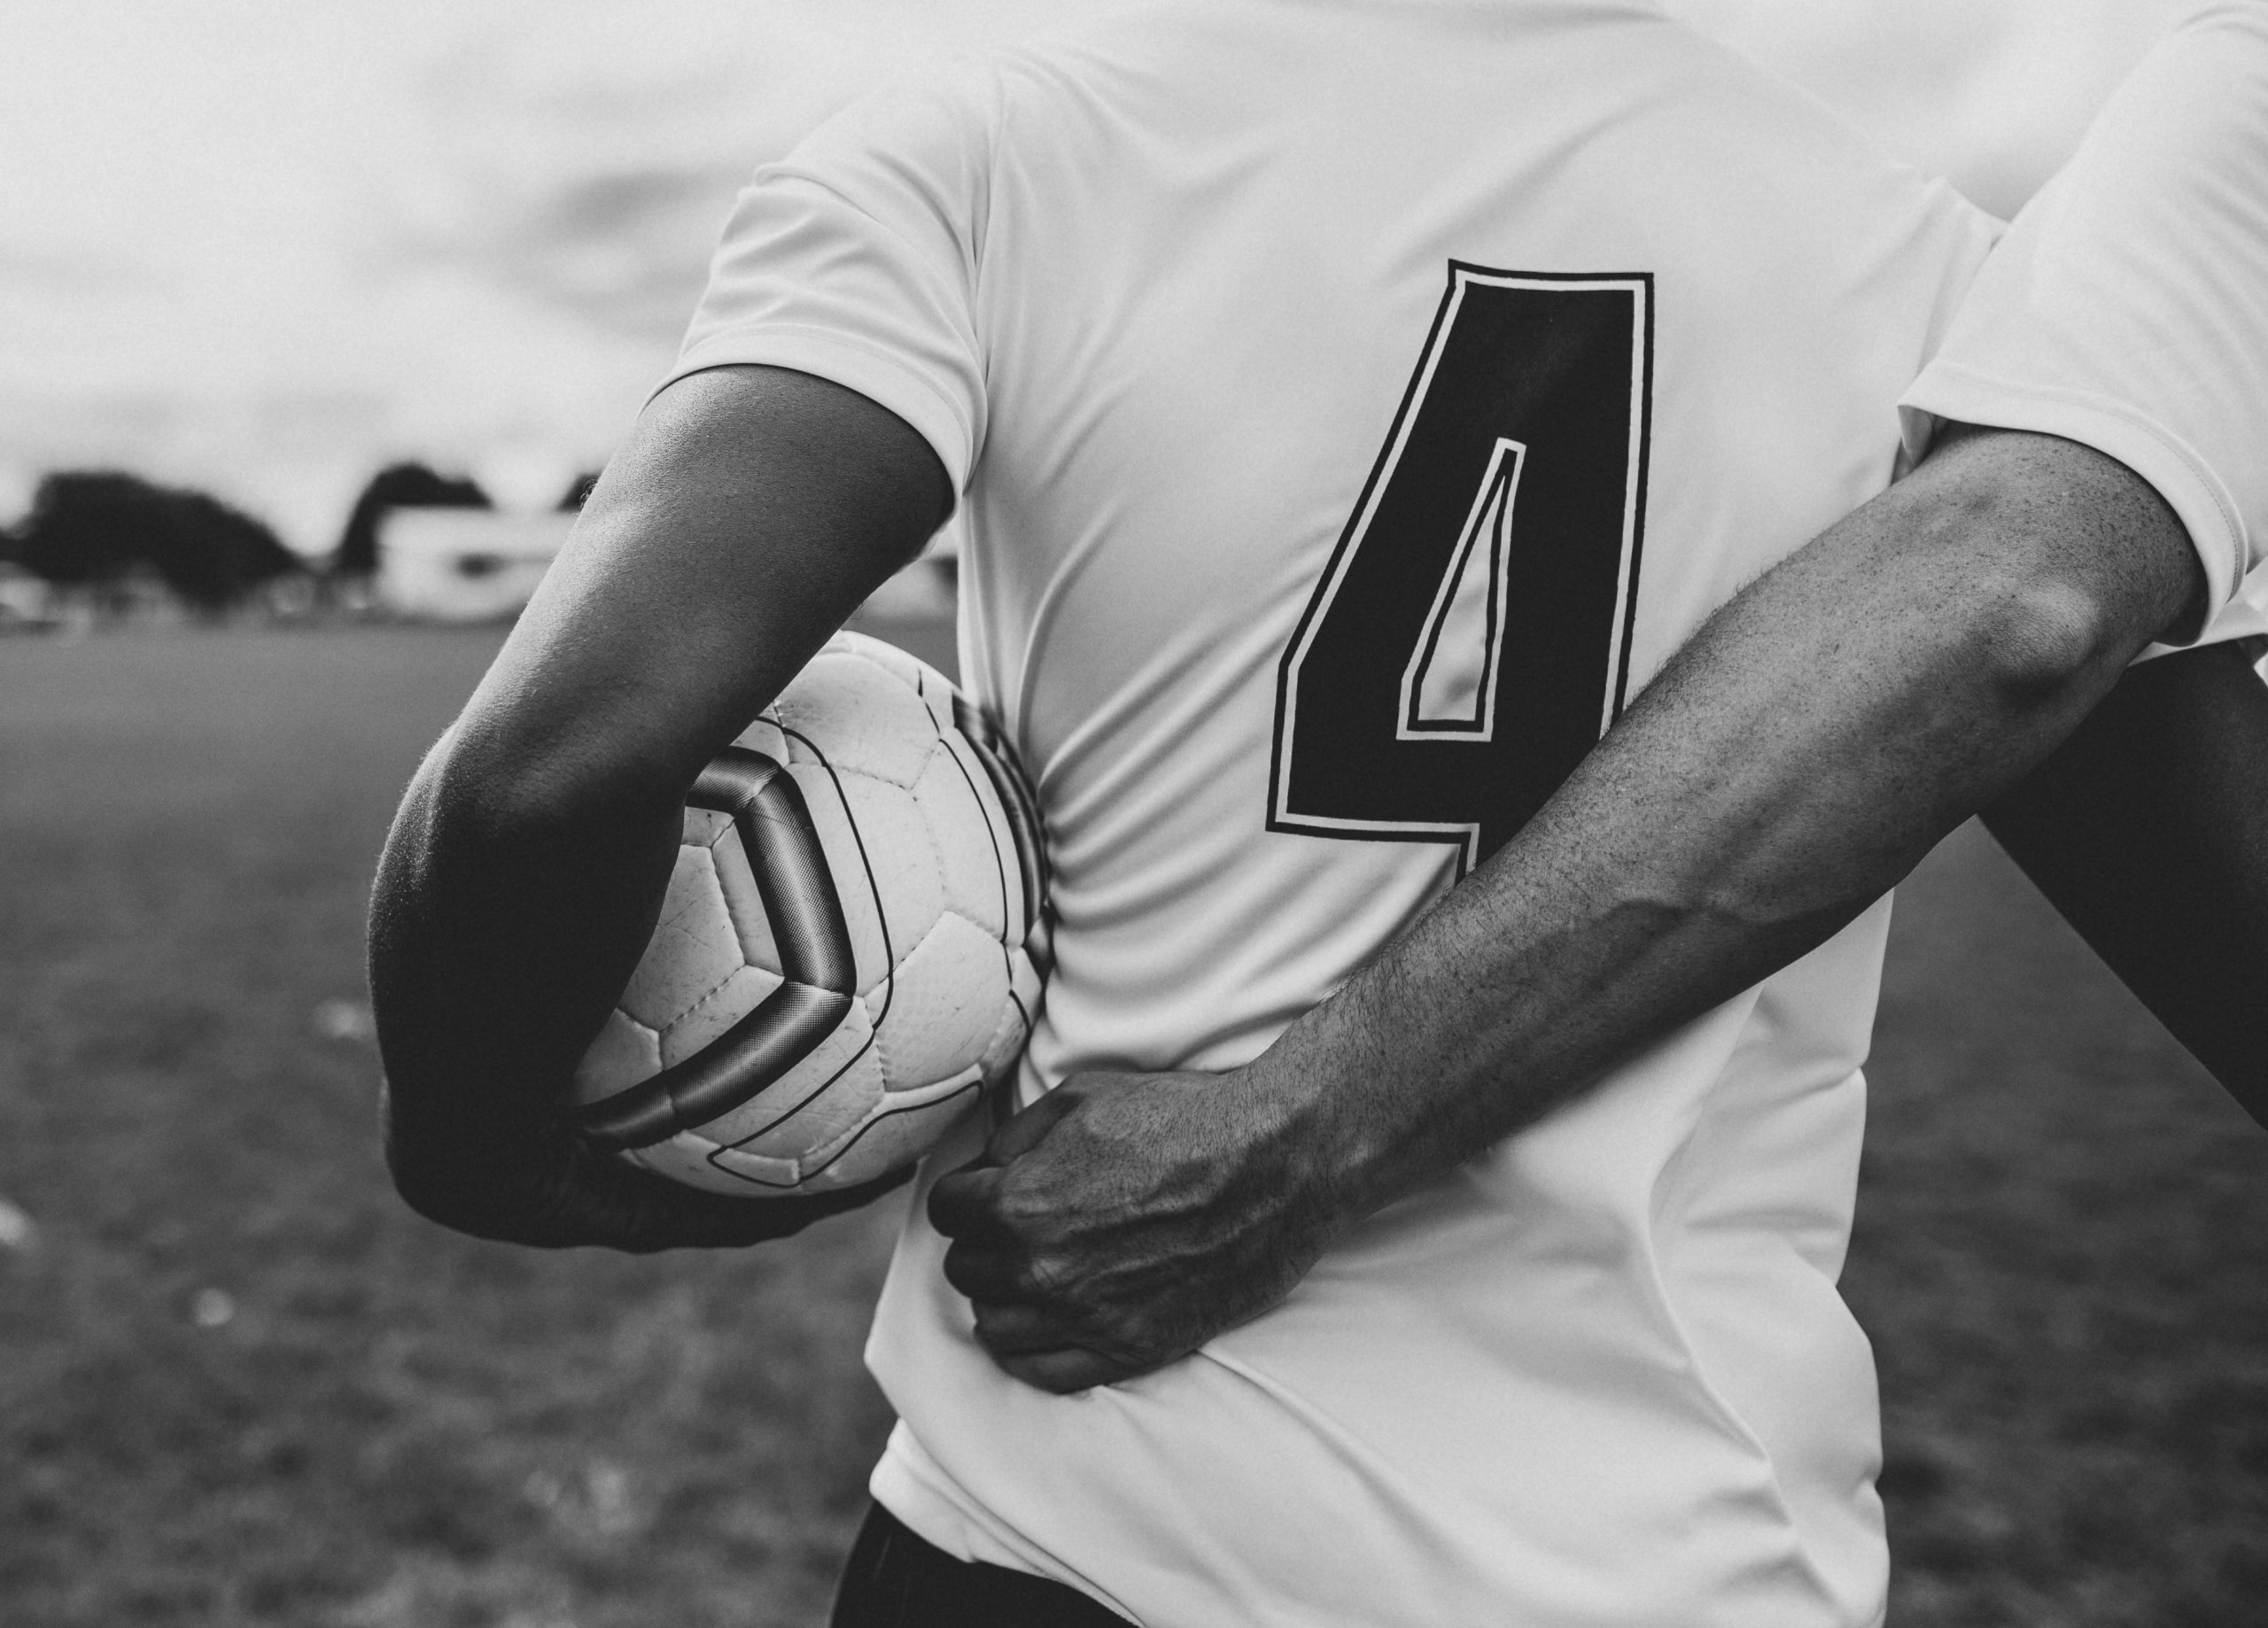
854 259
2127 307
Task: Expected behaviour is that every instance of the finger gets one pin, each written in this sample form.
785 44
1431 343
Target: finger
1069 1369
987 1272
1021 1331
963 1204
1025 1129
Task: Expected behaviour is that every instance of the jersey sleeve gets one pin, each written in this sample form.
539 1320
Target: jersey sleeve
2127 307
854 259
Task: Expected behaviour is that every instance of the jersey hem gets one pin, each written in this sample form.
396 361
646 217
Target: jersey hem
916 1489
882 378
2199 500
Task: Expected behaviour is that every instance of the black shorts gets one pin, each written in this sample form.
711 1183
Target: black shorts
894 1579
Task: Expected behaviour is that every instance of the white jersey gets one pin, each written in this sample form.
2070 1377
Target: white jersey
1354 402
2127 307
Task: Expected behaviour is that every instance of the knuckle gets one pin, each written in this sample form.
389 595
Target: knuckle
1046 1276
1018 1202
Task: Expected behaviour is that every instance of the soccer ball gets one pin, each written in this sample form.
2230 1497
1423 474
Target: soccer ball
851 950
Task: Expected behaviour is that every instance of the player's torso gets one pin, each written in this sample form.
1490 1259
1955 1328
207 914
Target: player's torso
1502 305
1376 395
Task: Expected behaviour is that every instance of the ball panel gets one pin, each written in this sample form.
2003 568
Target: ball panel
707 1019
686 1157
703 826
829 1116
945 1007
818 1100
977 860
752 1175
1013 1032
935 690
764 736
625 1052
693 949
903 665
897 853
894 1137
742 903
858 716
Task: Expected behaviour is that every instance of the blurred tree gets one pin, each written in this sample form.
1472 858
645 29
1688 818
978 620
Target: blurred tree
578 493
86 528
219 552
96 527
399 486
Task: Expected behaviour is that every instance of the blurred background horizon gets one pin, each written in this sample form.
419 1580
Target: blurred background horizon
354 270
264 249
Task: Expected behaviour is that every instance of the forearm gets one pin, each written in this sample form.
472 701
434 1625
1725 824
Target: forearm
1791 764
497 943
750 513
1795 761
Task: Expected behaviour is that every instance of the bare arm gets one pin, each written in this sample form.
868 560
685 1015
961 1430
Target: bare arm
751 512
2148 829
1801 754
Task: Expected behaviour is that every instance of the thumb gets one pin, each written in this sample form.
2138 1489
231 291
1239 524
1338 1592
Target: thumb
1025 1130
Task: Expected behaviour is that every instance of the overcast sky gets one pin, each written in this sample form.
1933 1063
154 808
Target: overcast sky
261 246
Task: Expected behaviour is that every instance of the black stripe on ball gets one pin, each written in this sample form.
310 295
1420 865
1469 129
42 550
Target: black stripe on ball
1016 802
817 971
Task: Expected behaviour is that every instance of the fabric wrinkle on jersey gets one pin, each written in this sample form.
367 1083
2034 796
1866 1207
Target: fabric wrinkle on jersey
2166 194
1169 294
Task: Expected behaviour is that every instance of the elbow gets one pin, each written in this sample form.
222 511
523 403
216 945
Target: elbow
425 1194
422 1182
437 1173
455 1208
2041 641
2058 563
2028 619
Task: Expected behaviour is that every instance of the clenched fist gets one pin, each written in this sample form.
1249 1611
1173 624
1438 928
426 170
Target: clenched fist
1123 1219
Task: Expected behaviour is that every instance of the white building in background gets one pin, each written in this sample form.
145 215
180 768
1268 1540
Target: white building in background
483 564
26 600
464 564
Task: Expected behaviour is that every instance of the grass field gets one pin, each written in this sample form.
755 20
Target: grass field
239 1384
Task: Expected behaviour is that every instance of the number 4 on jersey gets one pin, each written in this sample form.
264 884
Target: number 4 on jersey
1470 641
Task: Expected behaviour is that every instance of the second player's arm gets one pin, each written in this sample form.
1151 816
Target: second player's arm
1796 759
2148 829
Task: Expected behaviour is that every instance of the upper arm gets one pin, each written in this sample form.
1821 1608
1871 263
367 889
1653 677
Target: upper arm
2127 307
749 514
2043 560
828 402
